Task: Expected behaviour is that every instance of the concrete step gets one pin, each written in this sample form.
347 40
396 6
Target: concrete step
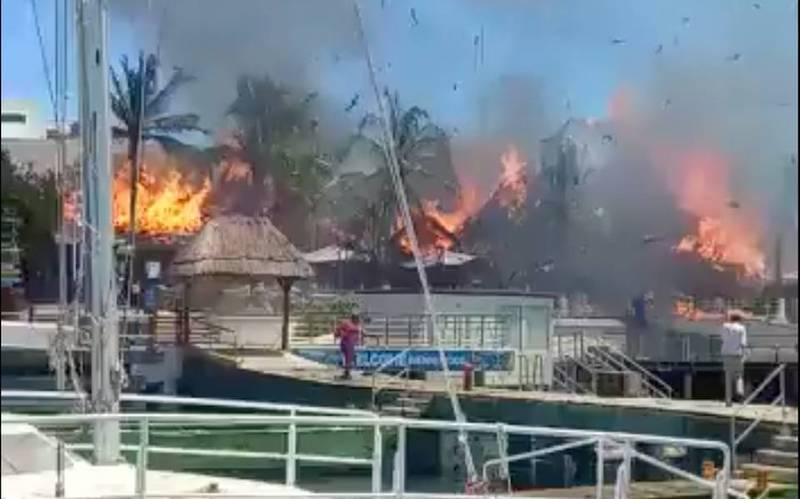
780 474
397 410
413 400
776 457
785 442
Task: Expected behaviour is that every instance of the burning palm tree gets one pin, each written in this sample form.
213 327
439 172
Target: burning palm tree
140 106
424 159
276 138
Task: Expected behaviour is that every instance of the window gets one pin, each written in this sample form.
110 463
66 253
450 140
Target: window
14 118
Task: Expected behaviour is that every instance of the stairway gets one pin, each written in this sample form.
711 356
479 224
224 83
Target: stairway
779 461
202 332
406 405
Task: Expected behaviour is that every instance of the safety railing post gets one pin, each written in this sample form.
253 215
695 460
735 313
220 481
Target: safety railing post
600 469
626 462
141 458
291 451
399 485
732 437
59 492
782 381
377 460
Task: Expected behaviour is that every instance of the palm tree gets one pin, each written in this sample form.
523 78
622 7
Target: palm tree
140 106
276 138
423 156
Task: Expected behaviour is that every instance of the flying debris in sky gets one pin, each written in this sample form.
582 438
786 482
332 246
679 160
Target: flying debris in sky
353 103
608 138
414 17
651 238
757 6
455 86
734 204
685 21
659 49
735 57
546 266
667 103
617 41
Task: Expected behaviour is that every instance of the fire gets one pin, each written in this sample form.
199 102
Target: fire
166 204
512 190
723 236
233 171
438 230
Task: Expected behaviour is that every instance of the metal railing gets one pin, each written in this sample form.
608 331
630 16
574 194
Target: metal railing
399 360
399 428
780 373
250 405
595 355
455 330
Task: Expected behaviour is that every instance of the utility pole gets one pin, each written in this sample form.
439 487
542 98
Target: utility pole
101 295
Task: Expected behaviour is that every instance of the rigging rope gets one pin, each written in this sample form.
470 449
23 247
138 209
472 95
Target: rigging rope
388 146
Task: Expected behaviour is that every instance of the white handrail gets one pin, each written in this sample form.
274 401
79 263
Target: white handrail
638 366
375 422
761 387
191 401
781 398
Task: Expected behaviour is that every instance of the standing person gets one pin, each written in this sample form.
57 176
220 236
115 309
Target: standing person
348 332
734 342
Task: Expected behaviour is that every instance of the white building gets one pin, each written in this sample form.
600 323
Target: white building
21 120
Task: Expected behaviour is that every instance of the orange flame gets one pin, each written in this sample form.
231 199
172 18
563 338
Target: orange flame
233 171
724 236
438 230
512 189
168 204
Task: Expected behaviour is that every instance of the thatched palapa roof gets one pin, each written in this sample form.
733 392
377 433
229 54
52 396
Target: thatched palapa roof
240 246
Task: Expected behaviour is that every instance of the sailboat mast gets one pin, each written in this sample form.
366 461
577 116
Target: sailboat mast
101 294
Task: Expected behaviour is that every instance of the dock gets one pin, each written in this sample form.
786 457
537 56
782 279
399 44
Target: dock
672 489
292 366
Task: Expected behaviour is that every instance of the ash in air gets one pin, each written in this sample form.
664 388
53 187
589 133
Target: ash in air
668 168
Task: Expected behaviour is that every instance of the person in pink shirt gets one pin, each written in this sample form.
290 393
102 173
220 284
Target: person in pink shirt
348 332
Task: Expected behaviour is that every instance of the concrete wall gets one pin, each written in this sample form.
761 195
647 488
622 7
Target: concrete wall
254 331
529 330
21 120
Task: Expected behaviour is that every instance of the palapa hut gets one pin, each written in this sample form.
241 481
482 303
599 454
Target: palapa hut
246 249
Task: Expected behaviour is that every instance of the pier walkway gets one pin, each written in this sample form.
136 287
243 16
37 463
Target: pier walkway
292 366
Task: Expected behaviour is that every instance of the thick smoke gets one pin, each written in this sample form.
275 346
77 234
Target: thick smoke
294 42
679 90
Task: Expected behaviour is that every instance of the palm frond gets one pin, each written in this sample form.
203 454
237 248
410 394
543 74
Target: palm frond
175 123
158 104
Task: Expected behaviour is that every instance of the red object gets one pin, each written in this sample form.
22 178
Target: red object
469 374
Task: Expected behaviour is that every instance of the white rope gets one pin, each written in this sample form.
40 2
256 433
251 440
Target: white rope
388 146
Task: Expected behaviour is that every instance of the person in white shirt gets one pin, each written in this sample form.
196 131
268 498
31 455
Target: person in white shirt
734 343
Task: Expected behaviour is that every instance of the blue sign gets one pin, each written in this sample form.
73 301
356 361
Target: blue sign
427 359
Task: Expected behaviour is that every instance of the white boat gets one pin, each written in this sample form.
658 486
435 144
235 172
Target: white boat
30 469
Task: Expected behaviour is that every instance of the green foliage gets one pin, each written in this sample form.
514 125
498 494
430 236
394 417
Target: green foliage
34 198
126 103
426 170
275 136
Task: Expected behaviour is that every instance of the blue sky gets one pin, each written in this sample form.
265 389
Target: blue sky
562 45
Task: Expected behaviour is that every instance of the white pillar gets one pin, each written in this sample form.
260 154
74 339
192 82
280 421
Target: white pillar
101 301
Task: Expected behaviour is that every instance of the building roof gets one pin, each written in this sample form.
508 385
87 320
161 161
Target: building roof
332 254
447 258
243 247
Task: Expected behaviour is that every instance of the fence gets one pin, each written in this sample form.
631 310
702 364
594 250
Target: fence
607 446
455 330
